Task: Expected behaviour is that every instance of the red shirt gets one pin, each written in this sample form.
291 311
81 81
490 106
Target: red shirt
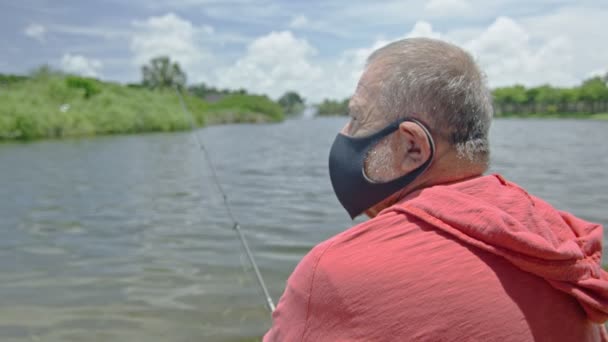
480 260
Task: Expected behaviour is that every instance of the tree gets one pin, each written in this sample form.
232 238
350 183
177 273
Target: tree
547 99
510 99
162 73
44 71
333 107
292 102
593 91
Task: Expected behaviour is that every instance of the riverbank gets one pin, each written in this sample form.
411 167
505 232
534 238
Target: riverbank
56 106
578 116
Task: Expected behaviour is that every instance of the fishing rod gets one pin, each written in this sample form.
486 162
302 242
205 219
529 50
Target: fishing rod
235 224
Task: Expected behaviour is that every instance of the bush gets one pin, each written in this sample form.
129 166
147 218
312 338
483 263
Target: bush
333 107
10 79
254 104
89 85
55 105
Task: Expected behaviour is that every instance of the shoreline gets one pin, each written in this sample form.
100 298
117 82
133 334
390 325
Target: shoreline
598 116
237 117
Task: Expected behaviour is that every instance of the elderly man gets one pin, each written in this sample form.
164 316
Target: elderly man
448 254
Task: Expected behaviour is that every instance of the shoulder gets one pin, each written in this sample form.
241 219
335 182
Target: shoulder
349 273
354 240
338 260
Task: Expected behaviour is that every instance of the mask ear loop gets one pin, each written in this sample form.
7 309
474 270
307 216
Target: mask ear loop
431 142
426 164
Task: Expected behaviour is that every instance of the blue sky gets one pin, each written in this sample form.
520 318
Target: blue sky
315 47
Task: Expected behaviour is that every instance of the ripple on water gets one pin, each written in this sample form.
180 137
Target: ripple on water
126 238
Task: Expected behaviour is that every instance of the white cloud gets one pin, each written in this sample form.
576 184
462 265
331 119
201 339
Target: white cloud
299 21
273 64
598 72
97 32
254 12
583 28
508 55
357 58
78 64
348 69
35 31
397 12
508 51
447 7
423 29
562 46
303 23
279 62
172 36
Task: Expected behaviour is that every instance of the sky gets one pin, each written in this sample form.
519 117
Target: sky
317 48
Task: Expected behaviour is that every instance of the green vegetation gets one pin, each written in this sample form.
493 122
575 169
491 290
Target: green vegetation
11 79
587 101
49 104
161 73
601 116
333 107
89 86
212 93
292 103
58 106
239 108
584 101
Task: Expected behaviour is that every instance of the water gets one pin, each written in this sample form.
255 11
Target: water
125 238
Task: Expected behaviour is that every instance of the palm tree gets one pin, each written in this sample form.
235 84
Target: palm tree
161 73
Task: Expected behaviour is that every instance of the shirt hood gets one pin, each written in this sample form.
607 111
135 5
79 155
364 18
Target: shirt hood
500 217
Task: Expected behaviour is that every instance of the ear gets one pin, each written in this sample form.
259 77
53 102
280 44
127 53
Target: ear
415 146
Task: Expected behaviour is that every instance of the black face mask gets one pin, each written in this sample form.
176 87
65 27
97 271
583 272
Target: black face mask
355 191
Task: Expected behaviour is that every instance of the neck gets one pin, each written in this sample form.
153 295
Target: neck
447 169
451 168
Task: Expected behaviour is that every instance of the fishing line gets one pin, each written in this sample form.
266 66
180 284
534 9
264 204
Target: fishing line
235 224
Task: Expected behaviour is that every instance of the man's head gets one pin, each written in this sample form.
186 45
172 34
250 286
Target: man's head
439 85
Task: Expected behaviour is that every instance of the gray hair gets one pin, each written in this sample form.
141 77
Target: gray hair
441 85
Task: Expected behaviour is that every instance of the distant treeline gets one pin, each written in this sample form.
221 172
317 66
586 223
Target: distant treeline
291 102
586 100
590 97
333 107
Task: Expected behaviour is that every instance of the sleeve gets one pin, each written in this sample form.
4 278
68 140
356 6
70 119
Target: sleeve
292 312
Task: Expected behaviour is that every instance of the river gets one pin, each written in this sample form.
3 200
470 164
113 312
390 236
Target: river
124 238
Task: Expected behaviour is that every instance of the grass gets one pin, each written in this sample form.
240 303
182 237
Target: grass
239 108
55 106
601 116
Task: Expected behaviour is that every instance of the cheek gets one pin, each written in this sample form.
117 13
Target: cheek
399 149
378 164
346 128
